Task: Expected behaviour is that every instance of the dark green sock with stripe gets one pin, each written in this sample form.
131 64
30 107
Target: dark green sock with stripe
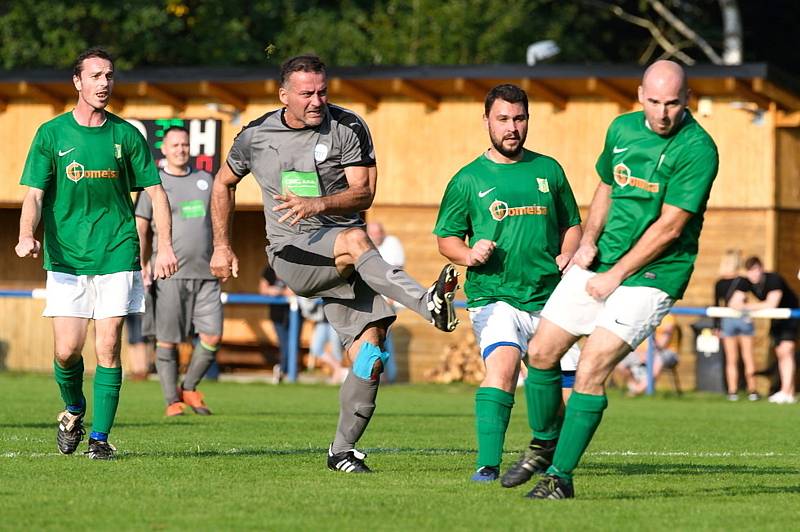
492 412
583 416
107 382
543 397
70 384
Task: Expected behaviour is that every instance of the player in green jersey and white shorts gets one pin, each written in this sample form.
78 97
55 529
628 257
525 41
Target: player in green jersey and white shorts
80 171
635 259
522 223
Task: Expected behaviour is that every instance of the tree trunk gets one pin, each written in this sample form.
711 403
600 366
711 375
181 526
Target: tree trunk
732 30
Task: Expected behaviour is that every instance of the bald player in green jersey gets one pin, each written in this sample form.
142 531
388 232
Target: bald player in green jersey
80 172
635 259
522 225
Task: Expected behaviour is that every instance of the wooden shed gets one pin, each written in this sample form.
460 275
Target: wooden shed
426 123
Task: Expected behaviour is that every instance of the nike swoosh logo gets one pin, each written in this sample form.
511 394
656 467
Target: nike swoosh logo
483 193
63 153
619 150
623 324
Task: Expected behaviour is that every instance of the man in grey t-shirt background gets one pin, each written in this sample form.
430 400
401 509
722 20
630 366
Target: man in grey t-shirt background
315 163
189 302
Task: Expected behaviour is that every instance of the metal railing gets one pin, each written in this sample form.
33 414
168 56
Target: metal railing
295 321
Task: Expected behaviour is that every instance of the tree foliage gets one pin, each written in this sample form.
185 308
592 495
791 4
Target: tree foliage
50 33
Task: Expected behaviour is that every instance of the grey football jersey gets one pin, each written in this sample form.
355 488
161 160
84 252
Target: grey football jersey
309 162
189 198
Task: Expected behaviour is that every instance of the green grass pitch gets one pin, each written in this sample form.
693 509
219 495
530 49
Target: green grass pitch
664 463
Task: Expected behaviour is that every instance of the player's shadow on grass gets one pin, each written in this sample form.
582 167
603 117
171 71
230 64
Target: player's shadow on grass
737 489
684 469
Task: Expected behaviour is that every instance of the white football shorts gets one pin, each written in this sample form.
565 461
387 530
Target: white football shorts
94 296
499 324
630 312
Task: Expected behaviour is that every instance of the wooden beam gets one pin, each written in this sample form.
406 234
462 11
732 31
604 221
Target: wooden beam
354 91
781 96
471 88
785 119
605 89
741 88
415 92
149 90
218 92
546 93
39 93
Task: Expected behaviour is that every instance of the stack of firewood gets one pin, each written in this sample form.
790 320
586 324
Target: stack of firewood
461 362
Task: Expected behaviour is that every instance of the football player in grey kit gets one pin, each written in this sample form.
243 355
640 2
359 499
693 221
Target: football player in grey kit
315 163
190 301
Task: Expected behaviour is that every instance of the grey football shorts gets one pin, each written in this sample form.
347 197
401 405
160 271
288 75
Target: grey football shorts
306 264
187 306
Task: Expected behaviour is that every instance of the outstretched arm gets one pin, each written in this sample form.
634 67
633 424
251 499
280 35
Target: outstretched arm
27 245
166 263
224 263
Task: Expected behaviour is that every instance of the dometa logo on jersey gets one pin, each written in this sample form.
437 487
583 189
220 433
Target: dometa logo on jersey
623 177
76 171
500 209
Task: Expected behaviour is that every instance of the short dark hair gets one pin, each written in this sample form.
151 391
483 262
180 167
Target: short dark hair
301 63
508 92
174 128
95 51
752 262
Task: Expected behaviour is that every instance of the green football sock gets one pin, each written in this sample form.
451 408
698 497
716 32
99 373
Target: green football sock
70 383
583 416
107 382
543 396
492 412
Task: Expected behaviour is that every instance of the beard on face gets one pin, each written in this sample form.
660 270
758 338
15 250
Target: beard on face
505 152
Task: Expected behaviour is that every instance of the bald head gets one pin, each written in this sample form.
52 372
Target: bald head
663 95
665 73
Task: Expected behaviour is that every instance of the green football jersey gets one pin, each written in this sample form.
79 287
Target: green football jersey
87 175
523 207
645 171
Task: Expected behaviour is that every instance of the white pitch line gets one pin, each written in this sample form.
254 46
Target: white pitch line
432 452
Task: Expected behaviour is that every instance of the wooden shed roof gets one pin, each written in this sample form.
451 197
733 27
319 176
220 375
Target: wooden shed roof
756 82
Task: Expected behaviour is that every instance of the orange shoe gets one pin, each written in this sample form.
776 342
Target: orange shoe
194 399
175 409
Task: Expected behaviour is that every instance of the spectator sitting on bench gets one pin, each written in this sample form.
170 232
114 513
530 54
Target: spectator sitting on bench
633 368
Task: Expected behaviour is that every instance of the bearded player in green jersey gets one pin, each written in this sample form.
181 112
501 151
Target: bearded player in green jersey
635 259
80 171
522 223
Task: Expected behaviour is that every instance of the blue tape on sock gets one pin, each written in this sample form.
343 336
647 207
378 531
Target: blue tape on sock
365 360
99 436
567 379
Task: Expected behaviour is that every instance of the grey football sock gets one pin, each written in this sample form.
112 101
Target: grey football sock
202 358
167 368
392 282
356 405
